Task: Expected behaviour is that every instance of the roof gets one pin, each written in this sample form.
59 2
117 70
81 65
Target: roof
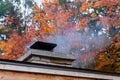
56 70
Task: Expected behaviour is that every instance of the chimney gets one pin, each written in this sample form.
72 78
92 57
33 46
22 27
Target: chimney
42 53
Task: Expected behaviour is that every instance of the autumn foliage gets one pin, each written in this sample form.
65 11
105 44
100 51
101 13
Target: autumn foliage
55 18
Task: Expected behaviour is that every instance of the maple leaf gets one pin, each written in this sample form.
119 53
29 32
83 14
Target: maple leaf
106 21
82 24
84 6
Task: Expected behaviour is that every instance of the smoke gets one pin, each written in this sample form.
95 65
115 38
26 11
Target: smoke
81 44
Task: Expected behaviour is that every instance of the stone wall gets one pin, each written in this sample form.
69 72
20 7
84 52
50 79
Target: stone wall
48 57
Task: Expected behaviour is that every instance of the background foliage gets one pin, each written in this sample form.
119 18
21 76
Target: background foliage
21 25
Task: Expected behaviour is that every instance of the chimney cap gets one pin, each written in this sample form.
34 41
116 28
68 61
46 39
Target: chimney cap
43 46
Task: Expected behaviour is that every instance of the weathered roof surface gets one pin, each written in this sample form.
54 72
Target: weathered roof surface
56 70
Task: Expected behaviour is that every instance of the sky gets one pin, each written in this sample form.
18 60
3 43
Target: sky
38 1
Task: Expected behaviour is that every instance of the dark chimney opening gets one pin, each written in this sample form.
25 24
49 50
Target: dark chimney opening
43 46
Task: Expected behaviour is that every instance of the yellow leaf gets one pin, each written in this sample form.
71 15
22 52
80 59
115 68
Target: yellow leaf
93 15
